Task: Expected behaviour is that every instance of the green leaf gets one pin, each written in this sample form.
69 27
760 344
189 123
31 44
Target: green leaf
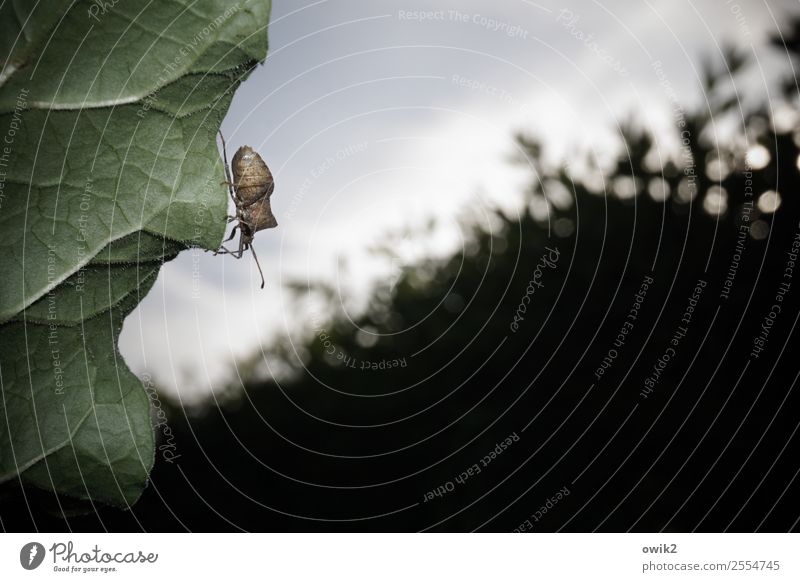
78 419
137 247
17 45
96 57
88 293
113 130
108 167
68 196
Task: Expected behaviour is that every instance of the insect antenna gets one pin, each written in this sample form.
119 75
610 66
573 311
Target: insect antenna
252 250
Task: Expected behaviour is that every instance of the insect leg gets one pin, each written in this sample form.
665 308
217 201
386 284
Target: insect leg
242 247
260 272
227 168
233 234
223 251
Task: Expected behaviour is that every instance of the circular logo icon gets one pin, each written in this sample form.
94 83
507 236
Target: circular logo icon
31 555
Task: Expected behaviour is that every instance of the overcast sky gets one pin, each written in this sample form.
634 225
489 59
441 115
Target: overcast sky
375 115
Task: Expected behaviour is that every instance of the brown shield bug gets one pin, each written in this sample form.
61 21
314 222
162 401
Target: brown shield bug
250 189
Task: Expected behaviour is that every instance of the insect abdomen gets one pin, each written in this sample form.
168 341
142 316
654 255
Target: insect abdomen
251 176
261 216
